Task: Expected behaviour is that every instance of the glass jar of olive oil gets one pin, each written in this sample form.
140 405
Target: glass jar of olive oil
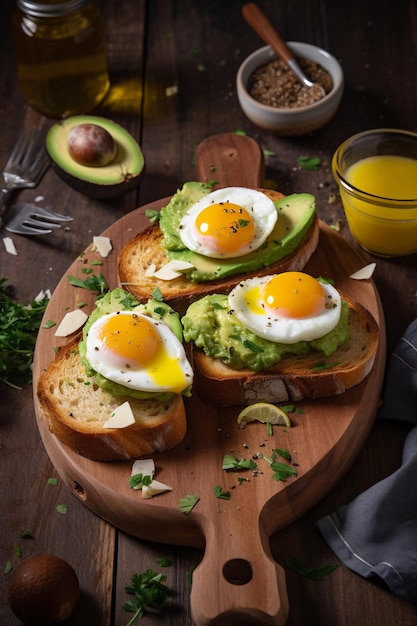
61 55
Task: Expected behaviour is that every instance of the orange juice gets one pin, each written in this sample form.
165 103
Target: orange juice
382 212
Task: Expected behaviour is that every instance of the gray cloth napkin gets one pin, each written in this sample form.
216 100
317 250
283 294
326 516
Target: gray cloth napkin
375 535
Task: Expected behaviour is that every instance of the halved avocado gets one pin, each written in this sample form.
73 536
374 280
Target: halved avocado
107 181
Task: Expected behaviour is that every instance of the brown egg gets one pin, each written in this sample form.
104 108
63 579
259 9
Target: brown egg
91 145
43 590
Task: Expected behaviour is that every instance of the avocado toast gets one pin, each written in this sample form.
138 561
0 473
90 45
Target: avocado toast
289 246
276 357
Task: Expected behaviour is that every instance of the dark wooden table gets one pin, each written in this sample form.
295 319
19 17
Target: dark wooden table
198 47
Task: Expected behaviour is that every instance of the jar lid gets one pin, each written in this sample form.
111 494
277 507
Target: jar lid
50 8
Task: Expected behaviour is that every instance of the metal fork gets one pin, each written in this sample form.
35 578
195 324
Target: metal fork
25 167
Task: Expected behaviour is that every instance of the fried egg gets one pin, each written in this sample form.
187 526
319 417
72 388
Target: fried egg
228 222
287 307
138 352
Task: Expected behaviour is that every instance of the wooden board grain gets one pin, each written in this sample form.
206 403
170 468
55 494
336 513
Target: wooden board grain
237 580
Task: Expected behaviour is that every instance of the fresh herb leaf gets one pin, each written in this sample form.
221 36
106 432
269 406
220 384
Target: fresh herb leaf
18 331
8 568
149 591
187 503
282 452
250 345
157 294
315 574
164 561
221 494
49 324
26 534
154 216
189 575
137 481
17 550
230 463
62 508
52 481
309 163
282 471
93 282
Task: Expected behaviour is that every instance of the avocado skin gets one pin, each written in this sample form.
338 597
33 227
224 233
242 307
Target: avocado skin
120 300
212 326
96 191
295 216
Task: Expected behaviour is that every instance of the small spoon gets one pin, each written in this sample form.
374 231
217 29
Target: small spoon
263 27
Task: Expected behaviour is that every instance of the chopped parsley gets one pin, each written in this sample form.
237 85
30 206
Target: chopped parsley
18 330
187 503
315 574
230 463
309 163
221 494
149 592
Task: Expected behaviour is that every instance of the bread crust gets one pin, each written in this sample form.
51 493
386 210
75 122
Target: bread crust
75 408
146 248
293 379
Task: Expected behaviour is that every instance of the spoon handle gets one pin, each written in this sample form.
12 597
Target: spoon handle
263 27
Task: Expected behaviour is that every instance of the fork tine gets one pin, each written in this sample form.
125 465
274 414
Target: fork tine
22 229
28 221
37 211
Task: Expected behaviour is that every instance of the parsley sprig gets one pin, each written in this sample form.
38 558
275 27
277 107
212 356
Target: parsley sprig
149 591
18 330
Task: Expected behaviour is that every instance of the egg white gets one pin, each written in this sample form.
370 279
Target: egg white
281 329
114 367
262 209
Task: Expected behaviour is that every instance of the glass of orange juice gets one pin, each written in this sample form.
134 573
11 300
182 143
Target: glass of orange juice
376 171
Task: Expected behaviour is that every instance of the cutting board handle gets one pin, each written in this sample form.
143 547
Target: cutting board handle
238 582
231 161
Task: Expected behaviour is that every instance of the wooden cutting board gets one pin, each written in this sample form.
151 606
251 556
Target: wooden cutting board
237 580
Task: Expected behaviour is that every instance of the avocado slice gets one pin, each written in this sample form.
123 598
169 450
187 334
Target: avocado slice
108 181
295 215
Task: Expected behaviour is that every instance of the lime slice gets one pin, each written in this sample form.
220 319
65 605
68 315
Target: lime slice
263 412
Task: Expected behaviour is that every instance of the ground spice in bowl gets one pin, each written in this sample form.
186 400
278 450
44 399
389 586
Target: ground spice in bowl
275 84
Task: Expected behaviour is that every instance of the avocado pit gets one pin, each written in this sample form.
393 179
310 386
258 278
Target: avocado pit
91 145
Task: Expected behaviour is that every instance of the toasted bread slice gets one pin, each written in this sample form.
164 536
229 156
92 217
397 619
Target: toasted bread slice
76 408
294 377
146 249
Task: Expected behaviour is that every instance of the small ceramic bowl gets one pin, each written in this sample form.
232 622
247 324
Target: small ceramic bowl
290 121
376 171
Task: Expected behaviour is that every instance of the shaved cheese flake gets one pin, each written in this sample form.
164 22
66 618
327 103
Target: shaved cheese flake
148 491
72 322
121 417
365 272
171 91
9 245
103 246
42 295
173 269
146 467
150 271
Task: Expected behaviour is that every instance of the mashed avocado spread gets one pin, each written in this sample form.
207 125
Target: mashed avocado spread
212 326
120 300
295 216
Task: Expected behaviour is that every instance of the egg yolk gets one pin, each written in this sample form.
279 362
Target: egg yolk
137 341
294 295
131 337
225 227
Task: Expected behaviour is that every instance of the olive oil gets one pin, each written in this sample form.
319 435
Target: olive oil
61 55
